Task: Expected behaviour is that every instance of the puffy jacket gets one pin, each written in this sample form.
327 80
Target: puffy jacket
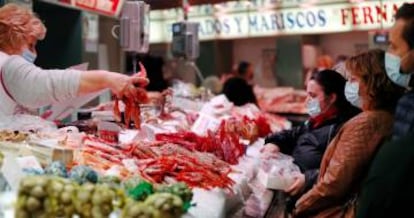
307 145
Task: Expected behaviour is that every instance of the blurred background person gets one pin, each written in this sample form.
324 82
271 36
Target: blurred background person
238 89
213 84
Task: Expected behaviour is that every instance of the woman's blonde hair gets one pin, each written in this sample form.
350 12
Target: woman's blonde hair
382 93
17 24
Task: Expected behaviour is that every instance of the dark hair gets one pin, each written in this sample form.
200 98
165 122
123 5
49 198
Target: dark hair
242 68
382 93
334 83
406 12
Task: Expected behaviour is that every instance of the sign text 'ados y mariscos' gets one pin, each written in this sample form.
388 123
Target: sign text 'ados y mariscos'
322 19
264 23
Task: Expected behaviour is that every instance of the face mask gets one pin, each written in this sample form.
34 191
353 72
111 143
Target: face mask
393 69
28 55
313 106
351 93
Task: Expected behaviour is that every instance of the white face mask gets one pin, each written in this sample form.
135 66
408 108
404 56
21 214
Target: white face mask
393 69
28 55
313 107
351 93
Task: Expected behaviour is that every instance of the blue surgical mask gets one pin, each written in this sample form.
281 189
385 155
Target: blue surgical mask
313 107
351 93
393 69
28 55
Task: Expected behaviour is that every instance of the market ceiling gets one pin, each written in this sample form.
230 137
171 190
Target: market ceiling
164 4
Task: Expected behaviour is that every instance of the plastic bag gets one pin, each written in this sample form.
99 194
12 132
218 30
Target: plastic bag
259 201
278 172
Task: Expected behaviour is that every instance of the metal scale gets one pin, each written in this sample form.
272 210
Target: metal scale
185 42
134 28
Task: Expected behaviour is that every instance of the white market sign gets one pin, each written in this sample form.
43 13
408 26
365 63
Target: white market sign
342 17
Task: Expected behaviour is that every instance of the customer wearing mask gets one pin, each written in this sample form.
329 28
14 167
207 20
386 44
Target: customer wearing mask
328 110
399 62
348 156
238 89
388 188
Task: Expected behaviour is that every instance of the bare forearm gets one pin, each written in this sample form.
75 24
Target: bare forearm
96 80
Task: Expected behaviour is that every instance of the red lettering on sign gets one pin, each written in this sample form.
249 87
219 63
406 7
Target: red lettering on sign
367 15
344 13
394 11
354 11
381 13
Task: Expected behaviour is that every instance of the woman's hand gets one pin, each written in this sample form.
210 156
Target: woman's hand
298 184
127 86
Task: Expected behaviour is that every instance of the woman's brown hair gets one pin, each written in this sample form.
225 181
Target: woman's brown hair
382 93
17 23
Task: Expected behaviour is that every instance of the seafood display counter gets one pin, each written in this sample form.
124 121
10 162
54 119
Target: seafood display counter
176 162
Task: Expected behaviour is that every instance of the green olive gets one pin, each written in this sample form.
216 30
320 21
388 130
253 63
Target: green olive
38 192
28 183
41 180
97 199
22 214
84 196
96 212
106 196
106 209
69 188
69 210
33 204
57 187
88 187
66 197
135 210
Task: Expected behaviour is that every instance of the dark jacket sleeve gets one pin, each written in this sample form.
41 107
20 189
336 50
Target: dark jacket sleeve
388 188
404 116
311 176
285 140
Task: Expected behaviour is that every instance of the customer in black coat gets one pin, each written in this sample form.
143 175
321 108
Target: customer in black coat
328 110
237 88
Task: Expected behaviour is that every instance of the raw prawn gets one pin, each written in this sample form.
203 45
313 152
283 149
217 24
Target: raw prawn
132 106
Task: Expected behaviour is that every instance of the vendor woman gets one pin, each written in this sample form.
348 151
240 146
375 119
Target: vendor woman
25 87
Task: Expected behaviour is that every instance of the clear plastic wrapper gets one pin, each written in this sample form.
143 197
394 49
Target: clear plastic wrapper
259 201
277 171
